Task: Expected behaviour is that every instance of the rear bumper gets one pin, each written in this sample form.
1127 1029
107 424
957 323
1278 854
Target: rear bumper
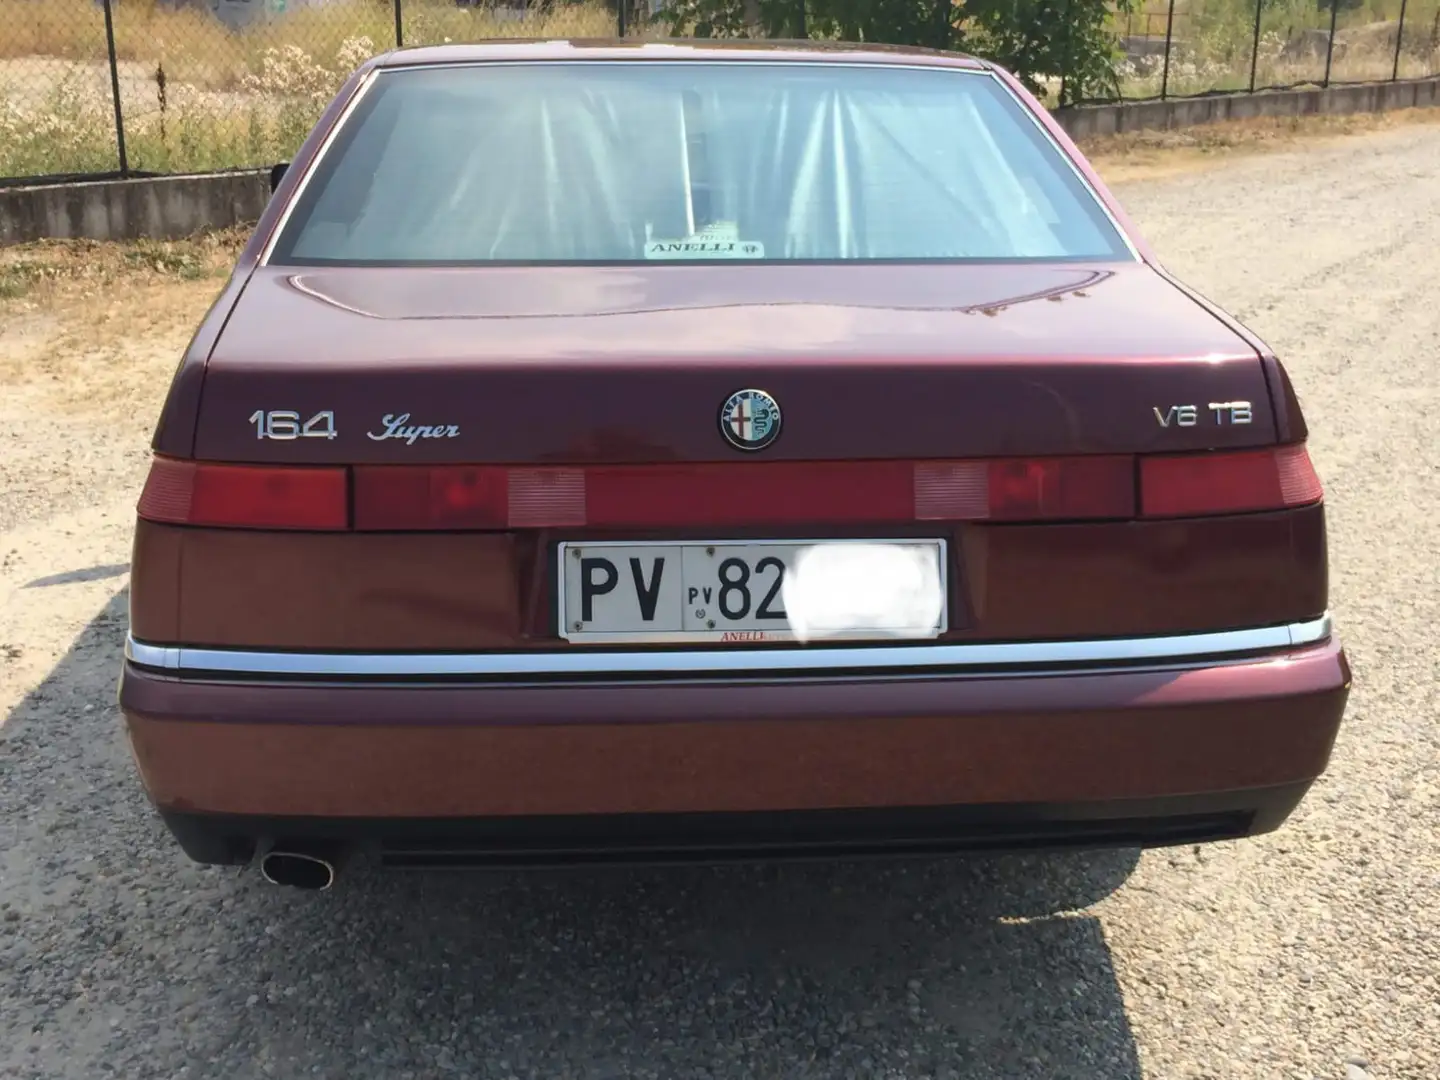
956 755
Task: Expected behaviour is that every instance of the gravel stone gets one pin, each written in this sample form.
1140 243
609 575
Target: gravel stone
1313 952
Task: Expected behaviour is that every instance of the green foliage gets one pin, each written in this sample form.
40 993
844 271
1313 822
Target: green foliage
1035 39
1070 39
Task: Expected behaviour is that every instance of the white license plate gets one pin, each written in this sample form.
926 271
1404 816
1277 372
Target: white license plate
739 591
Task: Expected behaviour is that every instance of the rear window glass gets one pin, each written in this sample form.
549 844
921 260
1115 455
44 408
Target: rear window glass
648 161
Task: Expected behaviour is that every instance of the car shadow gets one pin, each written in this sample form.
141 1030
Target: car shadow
72 577
127 958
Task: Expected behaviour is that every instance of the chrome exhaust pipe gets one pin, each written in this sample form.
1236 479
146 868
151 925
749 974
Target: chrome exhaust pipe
309 869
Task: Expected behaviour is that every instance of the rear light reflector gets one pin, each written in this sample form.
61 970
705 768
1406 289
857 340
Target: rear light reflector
951 490
245 496
541 497
635 496
778 493
405 497
1227 482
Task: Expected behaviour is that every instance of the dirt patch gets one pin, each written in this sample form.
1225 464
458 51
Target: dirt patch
89 336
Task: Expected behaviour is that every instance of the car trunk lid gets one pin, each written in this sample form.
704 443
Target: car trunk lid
583 365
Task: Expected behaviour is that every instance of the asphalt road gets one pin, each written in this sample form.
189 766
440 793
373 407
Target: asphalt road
1314 952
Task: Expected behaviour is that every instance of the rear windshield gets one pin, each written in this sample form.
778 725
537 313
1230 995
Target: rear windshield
648 161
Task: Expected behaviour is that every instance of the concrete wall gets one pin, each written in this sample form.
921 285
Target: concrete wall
175 206
1086 120
162 207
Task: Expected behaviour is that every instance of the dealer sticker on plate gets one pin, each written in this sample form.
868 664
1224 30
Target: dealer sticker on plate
736 591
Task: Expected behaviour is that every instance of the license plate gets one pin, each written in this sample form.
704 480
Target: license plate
739 591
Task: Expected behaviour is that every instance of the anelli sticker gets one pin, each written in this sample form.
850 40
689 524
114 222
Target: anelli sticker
718 241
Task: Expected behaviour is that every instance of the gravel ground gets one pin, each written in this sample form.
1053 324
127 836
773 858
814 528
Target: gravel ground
1311 953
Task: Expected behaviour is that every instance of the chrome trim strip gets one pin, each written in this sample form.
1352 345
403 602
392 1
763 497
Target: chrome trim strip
1177 648
166 657
670 61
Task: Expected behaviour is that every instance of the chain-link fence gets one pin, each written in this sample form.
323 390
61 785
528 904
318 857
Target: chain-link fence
130 87
160 86
1190 48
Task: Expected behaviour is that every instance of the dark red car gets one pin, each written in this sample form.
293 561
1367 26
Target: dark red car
656 451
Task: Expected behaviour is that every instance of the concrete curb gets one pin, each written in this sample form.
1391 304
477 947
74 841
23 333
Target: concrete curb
1083 121
163 207
169 207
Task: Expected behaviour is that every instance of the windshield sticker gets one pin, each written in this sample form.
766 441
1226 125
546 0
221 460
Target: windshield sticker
718 241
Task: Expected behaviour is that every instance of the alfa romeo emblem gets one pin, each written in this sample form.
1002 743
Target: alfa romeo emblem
750 419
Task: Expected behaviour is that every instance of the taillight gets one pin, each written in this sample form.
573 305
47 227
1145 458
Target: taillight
1227 482
245 496
620 496
780 492
1061 488
430 497
493 497
407 497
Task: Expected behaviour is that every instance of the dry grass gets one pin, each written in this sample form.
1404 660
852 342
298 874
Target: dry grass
107 293
197 49
1214 41
40 273
93 331
198 95
1152 154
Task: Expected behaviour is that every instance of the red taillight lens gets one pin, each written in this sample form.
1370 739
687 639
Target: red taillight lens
1061 488
1227 482
721 496
421 497
405 497
245 496
1020 489
780 493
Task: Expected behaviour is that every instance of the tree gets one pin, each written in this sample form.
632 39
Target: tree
1034 39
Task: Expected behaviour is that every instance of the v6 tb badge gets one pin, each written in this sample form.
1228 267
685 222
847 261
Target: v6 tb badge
1224 414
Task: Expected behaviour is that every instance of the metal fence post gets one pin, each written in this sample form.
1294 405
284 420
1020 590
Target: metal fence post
1065 58
399 26
1169 36
1255 44
1330 42
115 90
1399 37
620 18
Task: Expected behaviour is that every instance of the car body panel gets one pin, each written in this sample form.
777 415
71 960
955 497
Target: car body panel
731 746
549 365
469 591
595 366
